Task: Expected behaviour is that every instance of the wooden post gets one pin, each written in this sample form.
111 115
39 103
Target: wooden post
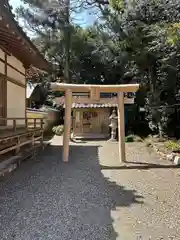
41 123
18 146
14 125
67 124
33 144
121 127
35 123
26 123
42 138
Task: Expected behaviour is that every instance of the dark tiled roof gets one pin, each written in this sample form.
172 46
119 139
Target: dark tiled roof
30 89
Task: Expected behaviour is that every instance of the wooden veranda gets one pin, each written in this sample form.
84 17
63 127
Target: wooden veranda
19 140
94 91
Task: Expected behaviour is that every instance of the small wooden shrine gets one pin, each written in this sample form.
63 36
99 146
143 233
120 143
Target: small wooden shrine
94 93
90 119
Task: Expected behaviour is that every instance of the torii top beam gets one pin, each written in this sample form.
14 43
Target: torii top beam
101 88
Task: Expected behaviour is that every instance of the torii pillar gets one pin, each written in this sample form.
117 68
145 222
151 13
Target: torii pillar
94 92
67 124
121 127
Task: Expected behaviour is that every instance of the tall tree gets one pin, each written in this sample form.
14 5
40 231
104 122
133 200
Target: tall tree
67 39
138 39
144 30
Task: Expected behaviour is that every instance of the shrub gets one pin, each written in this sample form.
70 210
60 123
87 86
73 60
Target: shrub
129 138
58 130
174 146
133 138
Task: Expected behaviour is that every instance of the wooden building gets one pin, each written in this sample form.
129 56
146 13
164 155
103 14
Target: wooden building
17 53
90 119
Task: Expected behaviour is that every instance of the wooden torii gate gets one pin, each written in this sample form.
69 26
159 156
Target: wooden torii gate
94 91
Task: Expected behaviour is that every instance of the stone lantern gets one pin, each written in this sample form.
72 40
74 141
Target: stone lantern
113 125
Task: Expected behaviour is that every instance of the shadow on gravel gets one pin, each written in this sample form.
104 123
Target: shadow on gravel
47 199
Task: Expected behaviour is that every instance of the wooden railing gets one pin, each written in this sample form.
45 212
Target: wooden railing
15 136
28 123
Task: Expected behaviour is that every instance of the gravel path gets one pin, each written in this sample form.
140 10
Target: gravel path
93 197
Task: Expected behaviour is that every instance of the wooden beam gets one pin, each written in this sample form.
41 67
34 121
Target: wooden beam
5 87
11 66
12 38
6 32
94 94
5 50
25 111
67 125
9 79
102 88
121 128
16 52
14 44
14 68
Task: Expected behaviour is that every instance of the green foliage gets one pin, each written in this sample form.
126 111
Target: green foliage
132 138
129 138
134 40
118 5
94 58
173 146
148 32
58 130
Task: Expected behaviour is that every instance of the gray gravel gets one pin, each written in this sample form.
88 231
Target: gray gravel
91 197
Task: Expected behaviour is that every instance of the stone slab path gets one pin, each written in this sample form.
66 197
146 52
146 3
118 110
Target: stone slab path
93 197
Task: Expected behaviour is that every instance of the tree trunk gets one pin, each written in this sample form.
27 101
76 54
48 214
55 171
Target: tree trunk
67 40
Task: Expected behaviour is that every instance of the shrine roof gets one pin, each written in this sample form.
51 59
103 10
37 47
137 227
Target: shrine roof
85 102
93 105
13 40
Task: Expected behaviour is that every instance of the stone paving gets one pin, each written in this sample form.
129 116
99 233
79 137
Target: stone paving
93 197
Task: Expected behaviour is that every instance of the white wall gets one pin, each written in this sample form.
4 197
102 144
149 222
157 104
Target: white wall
12 73
16 63
15 103
16 94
